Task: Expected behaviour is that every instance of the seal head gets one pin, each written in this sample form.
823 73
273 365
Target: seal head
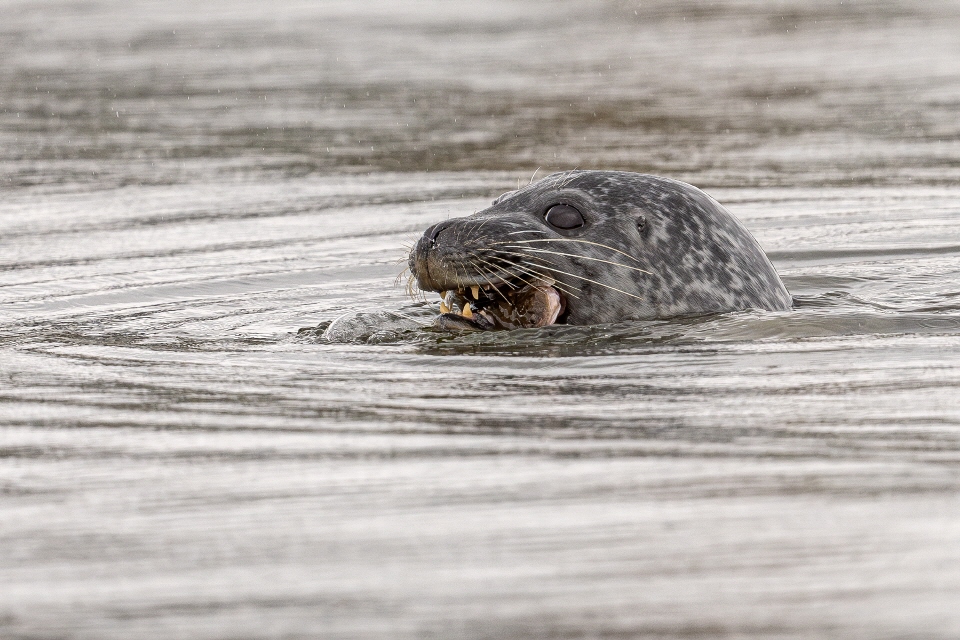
590 247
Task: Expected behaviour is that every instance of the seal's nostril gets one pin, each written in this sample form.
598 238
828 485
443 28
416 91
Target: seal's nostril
434 231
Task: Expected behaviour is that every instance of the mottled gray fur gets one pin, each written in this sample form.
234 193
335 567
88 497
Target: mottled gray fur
668 249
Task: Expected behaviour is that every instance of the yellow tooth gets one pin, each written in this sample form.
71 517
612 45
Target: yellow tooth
467 311
443 307
443 295
475 290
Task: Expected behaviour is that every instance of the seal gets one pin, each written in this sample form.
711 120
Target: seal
591 247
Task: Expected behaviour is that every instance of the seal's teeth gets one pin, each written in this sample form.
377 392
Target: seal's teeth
443 307
475 290
467 311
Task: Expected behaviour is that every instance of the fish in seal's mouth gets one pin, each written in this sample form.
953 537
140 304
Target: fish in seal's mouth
506 305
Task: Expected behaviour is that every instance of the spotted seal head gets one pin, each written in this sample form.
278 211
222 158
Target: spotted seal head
590 247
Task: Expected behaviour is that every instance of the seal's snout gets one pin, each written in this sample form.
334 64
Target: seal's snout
481 287
424 255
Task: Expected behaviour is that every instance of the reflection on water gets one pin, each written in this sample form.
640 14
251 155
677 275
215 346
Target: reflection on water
220 417
740 93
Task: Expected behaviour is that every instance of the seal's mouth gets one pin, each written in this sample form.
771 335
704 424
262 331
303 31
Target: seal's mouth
506 305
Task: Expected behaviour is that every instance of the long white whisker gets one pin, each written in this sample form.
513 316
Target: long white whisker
553 269
597 244
562 286
507 269
576 255
493 273
498 271
483 223
573 275
573 174
567 289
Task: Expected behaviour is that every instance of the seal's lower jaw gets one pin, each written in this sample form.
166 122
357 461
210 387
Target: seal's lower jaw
504 306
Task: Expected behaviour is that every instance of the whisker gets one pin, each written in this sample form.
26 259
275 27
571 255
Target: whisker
416 293
576 255
517 275
495 287
573 275
573 174
597 244
456 275
552 268
528 265
483 223
566 287
497 268
478 225
411 290
560 285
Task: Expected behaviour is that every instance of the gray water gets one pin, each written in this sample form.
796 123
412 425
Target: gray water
191 192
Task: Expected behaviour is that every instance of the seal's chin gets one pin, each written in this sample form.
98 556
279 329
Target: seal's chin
506 305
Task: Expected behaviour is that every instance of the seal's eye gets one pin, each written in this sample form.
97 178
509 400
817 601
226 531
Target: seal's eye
563 216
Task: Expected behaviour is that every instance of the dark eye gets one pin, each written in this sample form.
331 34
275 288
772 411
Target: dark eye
563 216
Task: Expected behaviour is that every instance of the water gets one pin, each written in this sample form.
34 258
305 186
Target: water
192 192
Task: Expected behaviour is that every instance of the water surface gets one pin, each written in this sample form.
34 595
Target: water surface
192 192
